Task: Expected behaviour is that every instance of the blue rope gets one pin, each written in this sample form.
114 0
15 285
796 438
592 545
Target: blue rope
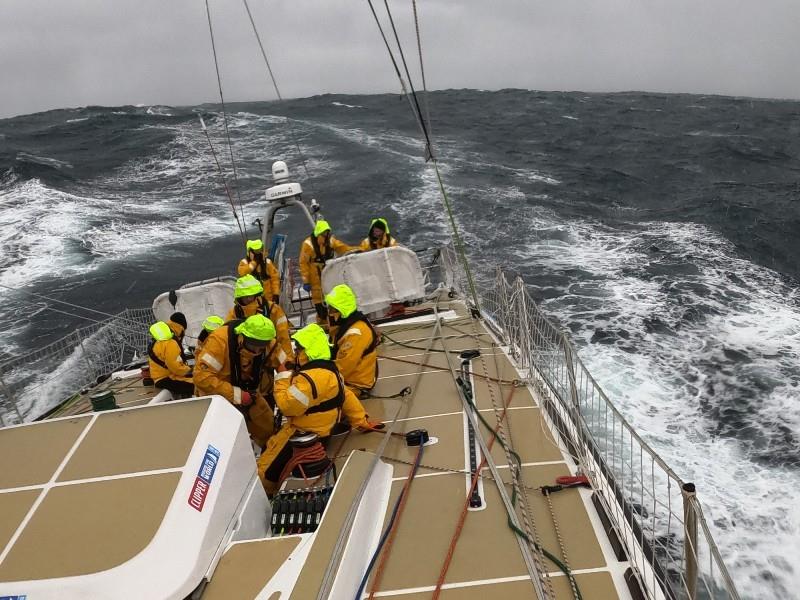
388 529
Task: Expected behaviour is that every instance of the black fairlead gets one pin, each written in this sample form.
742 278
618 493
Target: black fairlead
417 437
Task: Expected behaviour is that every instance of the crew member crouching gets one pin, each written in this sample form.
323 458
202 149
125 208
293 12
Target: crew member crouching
165 357
249 299
236 363
355 340
311 398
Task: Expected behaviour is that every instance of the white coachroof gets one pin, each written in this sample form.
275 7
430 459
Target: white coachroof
133 503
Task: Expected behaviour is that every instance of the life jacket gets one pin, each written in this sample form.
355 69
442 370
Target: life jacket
346 324
319 256
152 354
236 367
336 402
261 273
264 307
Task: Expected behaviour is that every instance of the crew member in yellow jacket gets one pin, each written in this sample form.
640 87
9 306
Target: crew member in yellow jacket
355 340
261 267
315 251
249 299
210 323
379 236
235 362
312 398
165 357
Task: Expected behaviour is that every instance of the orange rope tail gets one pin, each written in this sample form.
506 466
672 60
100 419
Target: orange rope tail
387 548
462 517
302 455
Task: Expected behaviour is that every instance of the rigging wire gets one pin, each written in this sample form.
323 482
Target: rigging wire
224 181
415 109
224 112
422 69
277 91
402 81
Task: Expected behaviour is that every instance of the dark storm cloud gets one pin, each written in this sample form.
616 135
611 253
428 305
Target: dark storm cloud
74 53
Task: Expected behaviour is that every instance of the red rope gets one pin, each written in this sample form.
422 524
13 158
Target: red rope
463 516
312 453
387 548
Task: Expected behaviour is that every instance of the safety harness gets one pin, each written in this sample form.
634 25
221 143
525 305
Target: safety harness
264 307
236 367
347 323
333 403
319 257
152 353
261 273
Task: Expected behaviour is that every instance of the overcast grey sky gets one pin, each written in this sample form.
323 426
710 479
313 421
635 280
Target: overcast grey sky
63 53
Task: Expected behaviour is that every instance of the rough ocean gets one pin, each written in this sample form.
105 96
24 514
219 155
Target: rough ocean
660 230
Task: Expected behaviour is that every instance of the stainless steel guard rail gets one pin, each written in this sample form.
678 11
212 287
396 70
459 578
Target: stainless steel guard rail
655 516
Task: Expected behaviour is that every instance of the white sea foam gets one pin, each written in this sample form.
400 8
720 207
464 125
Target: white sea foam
343 105
661 386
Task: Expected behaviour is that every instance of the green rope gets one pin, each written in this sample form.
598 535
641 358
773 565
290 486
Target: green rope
456 237
511 525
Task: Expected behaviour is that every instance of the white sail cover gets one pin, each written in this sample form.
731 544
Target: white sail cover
378 277
196 302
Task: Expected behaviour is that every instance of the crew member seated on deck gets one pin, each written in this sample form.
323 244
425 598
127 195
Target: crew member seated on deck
311 398
235 363
355 340
249 299
316 249
379 236
210 323
261 268
165 357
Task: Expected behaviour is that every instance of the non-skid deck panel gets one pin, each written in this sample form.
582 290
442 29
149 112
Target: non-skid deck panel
90 527
13 508
246 568
31 454
523 427
487 548
435 394
447 453
147 439
592 586
310 578
580 544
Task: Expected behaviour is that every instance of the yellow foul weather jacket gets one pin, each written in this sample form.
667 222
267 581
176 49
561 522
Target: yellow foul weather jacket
355 349
166 358
312 260
265 272
311 399
223 368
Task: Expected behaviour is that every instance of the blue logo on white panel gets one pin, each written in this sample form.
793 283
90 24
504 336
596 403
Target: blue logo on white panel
209 465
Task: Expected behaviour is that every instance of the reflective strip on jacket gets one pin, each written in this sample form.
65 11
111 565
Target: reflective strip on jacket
213 370
294 395
311 268
357 369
